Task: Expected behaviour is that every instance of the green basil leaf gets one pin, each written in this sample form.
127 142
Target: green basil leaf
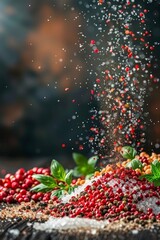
57 170
129 165
157 164
68 177
80 159
92 161
76 172
128 152
58 193
84 170
46 180
88 176
156 183
41 188
149 177
155 170
71 189
135 163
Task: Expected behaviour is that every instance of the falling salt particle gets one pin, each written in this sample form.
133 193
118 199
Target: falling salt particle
157 145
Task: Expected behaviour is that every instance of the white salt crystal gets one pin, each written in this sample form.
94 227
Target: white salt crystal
149 203
70 223
14 232
135 232
78 190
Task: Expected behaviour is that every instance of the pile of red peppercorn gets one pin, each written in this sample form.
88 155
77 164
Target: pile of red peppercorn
16 188
113 195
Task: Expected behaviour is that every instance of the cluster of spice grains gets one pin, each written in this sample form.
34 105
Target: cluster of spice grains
16 188
115 195
123 52
143 157
146 161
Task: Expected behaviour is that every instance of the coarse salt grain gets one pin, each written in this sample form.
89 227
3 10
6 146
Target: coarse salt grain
78 190
134 232
127 185
70 223
14 232
149 203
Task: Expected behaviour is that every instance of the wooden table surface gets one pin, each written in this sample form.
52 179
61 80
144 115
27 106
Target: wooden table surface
19 229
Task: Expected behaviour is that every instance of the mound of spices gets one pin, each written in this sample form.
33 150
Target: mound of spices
116 192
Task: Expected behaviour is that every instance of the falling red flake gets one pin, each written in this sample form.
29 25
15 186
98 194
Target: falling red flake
96 50
92 42
151 48
141 14
92 92
98 80
137 67
127 69
101 2
81 147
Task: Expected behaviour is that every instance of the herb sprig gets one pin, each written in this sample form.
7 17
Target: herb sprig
59 182
128 152
134 164
85 167
154 176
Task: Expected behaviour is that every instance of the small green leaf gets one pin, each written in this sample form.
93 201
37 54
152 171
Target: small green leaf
71 189
76 172
79 171
129 165
80 159
92 161
68 177
149 177
155 170
46 180
128 152
156 183
135 163
88 176
58 193
156 162
41 188
57 170
84 170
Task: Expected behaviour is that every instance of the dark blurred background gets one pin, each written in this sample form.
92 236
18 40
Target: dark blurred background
45 86
45 100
